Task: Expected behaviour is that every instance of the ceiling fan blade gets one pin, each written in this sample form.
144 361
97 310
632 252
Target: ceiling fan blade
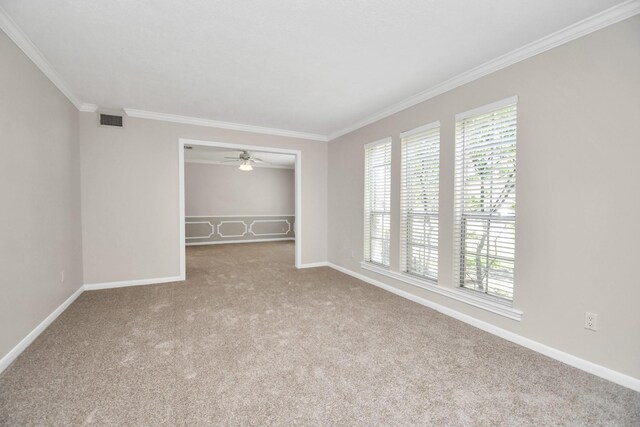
235 158
229 161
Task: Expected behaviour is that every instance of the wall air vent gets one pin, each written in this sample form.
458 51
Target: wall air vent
111 120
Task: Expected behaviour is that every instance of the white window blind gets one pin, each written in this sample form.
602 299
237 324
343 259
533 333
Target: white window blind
419 201
485 199
377 202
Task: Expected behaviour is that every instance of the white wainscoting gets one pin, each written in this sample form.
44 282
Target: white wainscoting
239 229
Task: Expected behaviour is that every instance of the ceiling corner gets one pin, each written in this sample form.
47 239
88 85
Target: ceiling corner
15 33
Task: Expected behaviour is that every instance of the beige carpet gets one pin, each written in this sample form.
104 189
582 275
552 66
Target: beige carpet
249 340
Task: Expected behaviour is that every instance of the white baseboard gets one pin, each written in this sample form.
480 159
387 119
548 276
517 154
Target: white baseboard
22 345
569 359
314 264
239 241
125 283
31 336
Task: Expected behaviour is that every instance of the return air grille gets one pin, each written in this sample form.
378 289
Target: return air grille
110 120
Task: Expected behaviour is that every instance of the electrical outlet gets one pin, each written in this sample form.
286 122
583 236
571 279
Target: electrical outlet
62 276
590 321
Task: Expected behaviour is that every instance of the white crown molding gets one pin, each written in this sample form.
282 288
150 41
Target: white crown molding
14 32
88 108
579 29
140 114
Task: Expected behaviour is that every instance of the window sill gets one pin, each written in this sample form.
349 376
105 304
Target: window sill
463 295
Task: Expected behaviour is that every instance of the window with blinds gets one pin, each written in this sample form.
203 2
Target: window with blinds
419 201
485 199
377 201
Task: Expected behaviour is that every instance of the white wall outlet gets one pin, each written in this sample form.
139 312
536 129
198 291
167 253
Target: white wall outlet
590 321
62 276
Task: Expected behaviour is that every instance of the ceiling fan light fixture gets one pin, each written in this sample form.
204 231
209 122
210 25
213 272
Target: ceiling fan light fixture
246 167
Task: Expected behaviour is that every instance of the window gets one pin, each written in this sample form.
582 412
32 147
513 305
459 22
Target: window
485 199
419 201
377 201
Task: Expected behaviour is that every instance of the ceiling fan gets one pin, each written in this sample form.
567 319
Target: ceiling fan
246 160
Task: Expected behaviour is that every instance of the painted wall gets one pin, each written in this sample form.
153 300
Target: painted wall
225 190
578 193
130 214
40 187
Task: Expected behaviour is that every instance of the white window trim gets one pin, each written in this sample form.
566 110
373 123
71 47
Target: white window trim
489 299
378 142
467 296
487 108
420 129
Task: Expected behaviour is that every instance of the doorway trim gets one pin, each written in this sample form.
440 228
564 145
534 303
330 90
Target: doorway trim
298 191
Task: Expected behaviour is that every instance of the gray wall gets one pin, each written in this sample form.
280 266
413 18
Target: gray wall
40 187
130 222
213 190
578 193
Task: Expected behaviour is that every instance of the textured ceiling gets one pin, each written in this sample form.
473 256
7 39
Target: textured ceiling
301 65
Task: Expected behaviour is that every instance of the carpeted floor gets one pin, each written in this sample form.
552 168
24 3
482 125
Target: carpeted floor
249 340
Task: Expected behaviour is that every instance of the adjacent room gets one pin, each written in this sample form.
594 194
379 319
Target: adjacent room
320 213
238 196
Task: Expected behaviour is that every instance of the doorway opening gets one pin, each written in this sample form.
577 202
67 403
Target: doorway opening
234 204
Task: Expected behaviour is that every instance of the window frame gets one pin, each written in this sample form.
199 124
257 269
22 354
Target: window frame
369 212
462 217
406 217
